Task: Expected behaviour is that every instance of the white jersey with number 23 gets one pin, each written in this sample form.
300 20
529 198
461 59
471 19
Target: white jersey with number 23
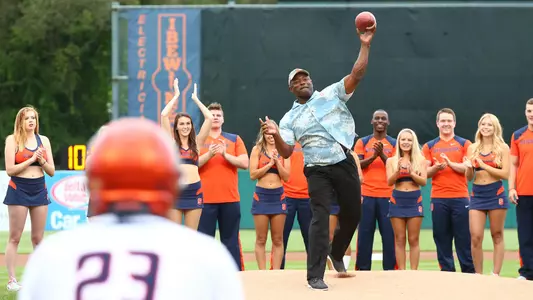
146 258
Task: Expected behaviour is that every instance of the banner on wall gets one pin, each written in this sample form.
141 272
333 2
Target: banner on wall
163 44
69 199
68 195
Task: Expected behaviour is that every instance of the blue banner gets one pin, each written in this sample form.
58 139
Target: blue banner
163 44
69 197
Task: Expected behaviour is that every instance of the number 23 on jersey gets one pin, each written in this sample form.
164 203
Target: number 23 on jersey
106 264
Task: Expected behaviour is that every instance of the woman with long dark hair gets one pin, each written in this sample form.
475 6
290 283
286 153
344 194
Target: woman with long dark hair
189 205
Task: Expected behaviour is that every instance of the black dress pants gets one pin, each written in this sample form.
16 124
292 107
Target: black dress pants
324 183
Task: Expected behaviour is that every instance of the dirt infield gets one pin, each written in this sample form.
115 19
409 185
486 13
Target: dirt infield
412 285
293 256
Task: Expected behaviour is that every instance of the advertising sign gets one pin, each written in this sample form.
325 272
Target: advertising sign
163 44
69 196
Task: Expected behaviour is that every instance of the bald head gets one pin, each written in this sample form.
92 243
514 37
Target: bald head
380 111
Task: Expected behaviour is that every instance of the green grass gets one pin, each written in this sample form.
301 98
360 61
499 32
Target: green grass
296 244
4 294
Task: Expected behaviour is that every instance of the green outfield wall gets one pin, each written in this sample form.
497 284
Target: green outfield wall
421 60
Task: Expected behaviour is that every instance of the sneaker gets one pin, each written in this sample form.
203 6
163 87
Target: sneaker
317 284
338 265
521 278
13 285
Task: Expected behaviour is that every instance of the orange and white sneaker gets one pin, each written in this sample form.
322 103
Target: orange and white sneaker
13 285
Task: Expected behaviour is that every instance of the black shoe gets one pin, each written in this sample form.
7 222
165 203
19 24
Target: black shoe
338 265
317 284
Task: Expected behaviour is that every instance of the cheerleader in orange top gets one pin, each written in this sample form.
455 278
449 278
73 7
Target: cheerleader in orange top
406 171
269 205
28 156
189 205
488 161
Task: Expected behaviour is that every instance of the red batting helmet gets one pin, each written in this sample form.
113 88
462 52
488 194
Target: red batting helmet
134 167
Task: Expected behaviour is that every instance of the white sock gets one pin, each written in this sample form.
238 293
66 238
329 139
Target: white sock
346 259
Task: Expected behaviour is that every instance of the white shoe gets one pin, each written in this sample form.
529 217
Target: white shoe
521 278
329 264
13 285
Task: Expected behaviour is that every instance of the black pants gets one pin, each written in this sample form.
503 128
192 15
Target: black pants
323 183
524 220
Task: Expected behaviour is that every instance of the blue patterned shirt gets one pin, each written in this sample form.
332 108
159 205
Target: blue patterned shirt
320 125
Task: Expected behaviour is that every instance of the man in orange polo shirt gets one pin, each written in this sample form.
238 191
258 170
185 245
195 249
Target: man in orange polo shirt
373 151
449 194
297 200
521 191
220 157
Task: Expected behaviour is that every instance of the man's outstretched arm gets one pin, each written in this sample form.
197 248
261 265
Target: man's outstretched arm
359 68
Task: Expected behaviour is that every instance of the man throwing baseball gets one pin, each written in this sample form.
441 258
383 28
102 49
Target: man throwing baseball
322 123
